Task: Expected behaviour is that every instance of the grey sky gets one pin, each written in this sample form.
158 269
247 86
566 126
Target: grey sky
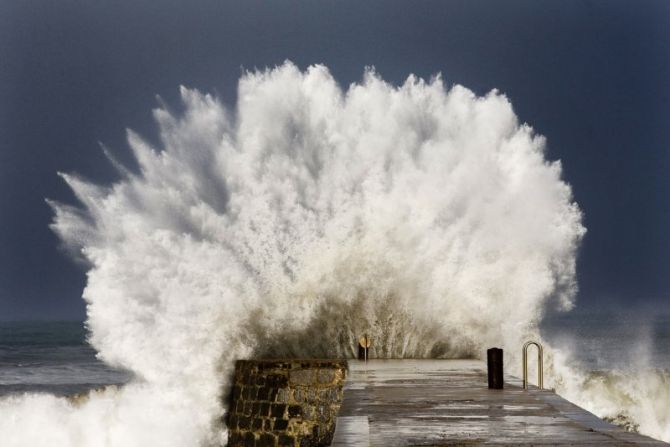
592 76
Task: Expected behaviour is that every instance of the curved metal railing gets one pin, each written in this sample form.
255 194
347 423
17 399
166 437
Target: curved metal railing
540 377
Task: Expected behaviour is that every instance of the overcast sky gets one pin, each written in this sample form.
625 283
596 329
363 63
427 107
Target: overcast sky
592 76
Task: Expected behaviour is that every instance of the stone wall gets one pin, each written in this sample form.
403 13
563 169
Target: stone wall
285 402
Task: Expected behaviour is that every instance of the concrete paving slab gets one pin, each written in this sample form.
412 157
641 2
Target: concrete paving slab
447 403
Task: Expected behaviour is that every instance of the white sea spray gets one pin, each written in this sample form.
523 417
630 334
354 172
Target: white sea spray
425 216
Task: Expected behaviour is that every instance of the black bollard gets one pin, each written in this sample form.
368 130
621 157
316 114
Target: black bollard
362 354
494 359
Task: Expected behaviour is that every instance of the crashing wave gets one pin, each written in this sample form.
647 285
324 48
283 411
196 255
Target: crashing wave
425 216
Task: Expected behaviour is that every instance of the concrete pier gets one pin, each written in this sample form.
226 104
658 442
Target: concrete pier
447 403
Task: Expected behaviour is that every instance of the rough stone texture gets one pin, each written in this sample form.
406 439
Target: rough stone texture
291 403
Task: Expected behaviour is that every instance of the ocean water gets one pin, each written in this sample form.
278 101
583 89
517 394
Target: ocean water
611 340
615 364
615 358
51 357
55 357
619 363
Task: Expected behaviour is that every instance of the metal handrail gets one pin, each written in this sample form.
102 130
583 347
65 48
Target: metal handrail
540 381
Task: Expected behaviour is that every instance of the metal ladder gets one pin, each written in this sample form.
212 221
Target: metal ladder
540 381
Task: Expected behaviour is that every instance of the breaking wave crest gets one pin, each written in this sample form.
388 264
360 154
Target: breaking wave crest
636 398
426 217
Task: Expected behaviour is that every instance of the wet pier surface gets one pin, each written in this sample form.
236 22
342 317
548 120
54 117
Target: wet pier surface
447 403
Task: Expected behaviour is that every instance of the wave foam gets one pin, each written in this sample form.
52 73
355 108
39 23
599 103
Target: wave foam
427 217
